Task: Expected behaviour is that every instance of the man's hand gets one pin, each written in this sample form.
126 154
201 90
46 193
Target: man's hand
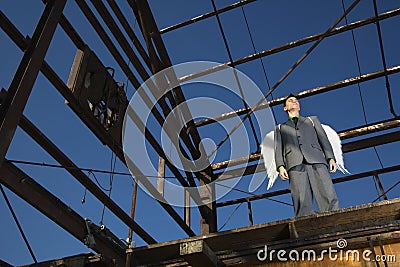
332 166
283 174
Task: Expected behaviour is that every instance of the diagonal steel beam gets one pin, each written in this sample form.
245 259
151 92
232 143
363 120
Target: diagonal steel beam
107 41
107 18
87 118
48 204
59 156
128 29
27 72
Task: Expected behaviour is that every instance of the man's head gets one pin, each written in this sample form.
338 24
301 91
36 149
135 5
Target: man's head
291 105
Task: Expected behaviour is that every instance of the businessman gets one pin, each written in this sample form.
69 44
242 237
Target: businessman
304 156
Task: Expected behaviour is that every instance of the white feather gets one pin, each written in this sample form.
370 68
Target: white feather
337 147
268 148
268 154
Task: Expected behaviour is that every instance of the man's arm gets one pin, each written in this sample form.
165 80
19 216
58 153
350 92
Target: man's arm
278 148
325 144
323 139
280 164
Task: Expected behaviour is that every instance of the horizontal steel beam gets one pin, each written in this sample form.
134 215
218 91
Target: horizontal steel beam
48 204
347 147
371 142
303 94
293 44
287 191
204 16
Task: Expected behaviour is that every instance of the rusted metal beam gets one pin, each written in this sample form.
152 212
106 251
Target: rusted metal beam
107 41
160 199
369 128
128 29
287 191
250 212
103 35
378 181
371 142
284 76
117 33
148 25
303 94
186 208
293 44
14 34
5 264
27 72
119 36
133 208
87 118
206 15
81 177
319 230
159 60
161 175
383 57
70 31
59 84
48 204
198 254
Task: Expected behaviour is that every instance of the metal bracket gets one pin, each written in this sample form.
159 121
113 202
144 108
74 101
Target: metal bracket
89 239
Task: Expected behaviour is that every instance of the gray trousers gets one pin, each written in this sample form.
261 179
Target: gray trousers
308 181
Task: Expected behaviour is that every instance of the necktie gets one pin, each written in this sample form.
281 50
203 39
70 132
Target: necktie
295 120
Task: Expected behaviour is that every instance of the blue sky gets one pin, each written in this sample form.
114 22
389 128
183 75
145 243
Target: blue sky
271 24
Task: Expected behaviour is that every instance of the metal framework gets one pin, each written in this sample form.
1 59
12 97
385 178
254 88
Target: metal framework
147 55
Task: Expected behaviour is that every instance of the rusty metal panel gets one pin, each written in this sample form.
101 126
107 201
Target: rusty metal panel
94 87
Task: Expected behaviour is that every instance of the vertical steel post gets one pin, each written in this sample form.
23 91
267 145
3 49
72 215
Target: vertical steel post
161 175
378 180
186 211
250 212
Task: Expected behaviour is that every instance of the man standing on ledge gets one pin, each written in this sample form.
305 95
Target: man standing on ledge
303 155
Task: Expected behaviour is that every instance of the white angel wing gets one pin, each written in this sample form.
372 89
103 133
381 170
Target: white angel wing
336 146
268 154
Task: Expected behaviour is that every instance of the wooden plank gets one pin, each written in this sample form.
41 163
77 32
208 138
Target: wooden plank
312 231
